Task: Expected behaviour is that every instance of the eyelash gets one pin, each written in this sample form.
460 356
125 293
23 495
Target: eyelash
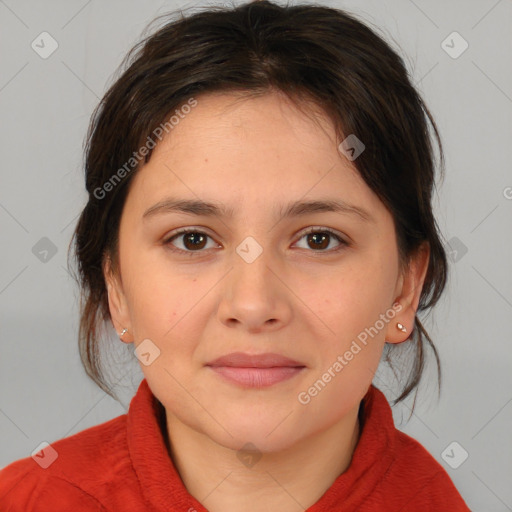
167 242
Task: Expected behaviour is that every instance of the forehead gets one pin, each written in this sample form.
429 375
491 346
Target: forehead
228 148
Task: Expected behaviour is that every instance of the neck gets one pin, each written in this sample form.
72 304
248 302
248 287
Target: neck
292 478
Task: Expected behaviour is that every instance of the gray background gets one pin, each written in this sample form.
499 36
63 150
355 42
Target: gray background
45 106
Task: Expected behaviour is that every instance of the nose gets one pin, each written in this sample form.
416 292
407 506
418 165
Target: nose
255 297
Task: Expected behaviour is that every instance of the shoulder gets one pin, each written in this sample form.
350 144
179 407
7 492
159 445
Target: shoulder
24 489
72 471
416 474
405 476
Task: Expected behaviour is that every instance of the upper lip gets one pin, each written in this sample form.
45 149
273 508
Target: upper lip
243 360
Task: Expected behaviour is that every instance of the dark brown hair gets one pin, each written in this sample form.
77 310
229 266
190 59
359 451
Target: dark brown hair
314 55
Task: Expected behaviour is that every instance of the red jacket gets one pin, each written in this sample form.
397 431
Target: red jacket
123 465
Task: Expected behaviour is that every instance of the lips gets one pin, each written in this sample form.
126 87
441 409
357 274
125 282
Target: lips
255 371
267 360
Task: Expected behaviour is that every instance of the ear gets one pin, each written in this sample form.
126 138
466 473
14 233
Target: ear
409 290
117 303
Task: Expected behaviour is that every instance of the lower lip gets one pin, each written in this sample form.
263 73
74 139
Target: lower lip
257 377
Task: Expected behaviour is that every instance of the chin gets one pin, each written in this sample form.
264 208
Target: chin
270 434
253 439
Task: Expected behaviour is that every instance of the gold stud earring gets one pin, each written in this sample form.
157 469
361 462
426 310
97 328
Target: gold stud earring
401 327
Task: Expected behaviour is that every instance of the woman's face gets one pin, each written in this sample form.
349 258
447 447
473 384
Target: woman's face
251 279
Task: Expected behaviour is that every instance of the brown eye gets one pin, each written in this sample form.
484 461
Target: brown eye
320 239
191 240
194 241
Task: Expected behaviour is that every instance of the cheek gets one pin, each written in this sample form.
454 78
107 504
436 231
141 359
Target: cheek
171 310
359 295
167 312
160 295
356 307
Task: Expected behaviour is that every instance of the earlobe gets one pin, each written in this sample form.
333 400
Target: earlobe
117 304
411 286
401 335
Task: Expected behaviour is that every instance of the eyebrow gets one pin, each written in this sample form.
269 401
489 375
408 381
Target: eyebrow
297 208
